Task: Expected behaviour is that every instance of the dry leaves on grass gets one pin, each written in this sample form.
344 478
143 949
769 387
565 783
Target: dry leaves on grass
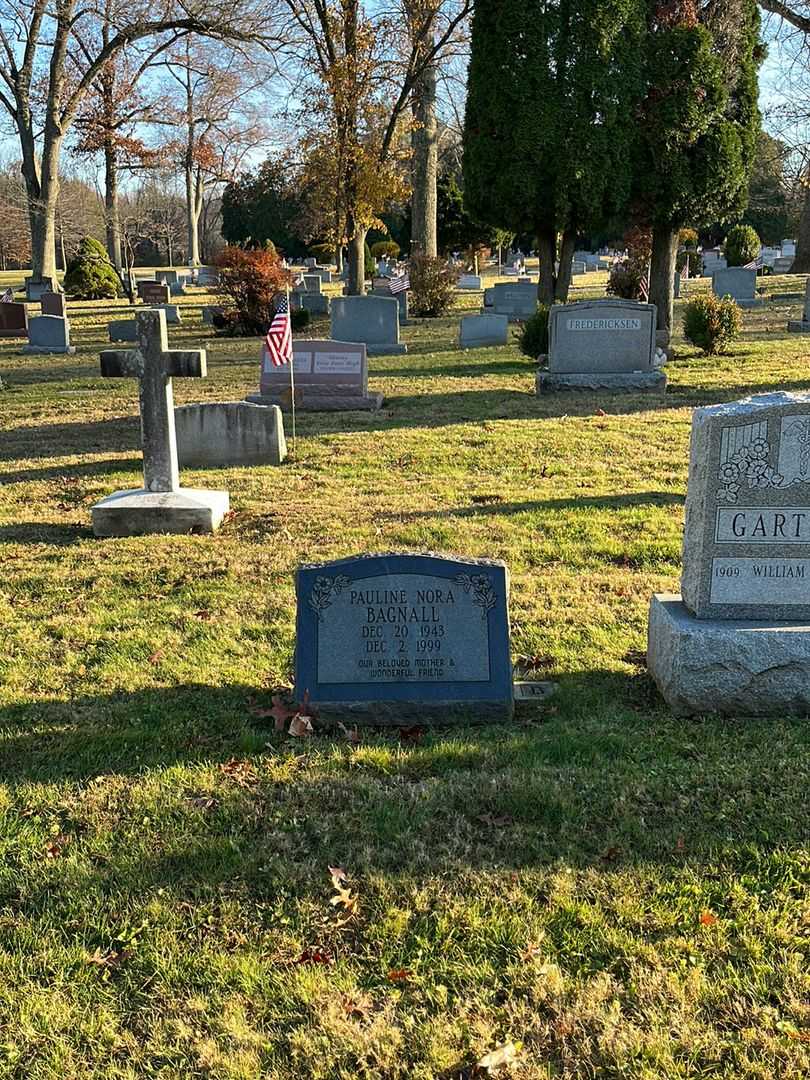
56 847
343 897
157 656
399 976
501 1057
315 954
240 771
707 918
108 960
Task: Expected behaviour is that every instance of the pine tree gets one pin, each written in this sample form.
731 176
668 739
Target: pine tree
550 112
698 125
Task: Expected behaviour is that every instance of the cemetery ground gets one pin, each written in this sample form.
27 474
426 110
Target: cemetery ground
616 892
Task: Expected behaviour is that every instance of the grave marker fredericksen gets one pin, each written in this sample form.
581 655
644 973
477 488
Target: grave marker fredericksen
738 638
387 639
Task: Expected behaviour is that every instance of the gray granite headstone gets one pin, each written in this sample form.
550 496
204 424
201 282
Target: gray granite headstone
476 331
48 334
518 301
737 638
123 330
598 344
469 281
397 638
330 376
220 433
313 302
372 320
737 282
747 533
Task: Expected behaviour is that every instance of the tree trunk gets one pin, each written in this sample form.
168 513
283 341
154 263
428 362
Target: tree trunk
43 191
424 165
356 284
563 282
193 208
112 213
801 263
662 277
547 251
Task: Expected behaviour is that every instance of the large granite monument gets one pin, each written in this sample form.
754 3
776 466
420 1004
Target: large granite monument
161 506
603 345
737 638
391 639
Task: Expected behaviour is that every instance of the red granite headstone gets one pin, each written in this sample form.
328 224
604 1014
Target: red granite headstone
13 320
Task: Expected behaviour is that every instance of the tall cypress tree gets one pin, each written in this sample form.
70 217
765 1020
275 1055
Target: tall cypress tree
698 125
551 97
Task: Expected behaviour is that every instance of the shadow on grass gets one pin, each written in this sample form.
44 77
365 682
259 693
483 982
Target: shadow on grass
497 508
33 532
63 440
604 777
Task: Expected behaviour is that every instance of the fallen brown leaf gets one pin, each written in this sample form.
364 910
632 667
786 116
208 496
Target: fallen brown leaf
707 918
338 875
56 847
351 735
156 656
203 616
399 975
315 954
497 1059
411 736
300 726
113 958
240 771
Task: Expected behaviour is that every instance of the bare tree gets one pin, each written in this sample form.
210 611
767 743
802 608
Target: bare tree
45 76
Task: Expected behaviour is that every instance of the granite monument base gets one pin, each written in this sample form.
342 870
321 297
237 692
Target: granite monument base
138 512
757 302
629 382
725 666
48 350
387 348
308 399
798 326
405 713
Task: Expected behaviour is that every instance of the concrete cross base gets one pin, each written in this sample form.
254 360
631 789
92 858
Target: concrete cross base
798 326
629 382
139 512
727 666
320 402
42 350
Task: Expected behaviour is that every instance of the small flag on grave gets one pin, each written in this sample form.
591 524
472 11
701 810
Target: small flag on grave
755 264
279 336
644 288
399 284
685 270
7 297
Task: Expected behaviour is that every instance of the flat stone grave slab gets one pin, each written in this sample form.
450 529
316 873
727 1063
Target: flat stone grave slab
314 303
402 638
153 292
48 334
469 281
13 320
737 638
602 344
330 376
225 433
478 331
372 320
53 303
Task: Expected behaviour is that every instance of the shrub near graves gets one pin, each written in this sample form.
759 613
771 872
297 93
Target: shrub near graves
534 339
90 274
385 248
711 324
742 245
433 286
249 282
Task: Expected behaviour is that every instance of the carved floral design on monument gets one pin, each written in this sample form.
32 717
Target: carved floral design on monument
323 592
744 454
483 593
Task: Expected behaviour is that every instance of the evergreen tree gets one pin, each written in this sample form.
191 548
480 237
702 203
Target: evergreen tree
698 125
261 207
550 113
90 274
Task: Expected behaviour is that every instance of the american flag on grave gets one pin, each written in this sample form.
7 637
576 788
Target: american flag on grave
644 288
755 264
399 284
7 297
279 337
685 270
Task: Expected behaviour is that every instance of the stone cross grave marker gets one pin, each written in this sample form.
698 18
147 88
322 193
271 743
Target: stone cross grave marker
737 639
161 506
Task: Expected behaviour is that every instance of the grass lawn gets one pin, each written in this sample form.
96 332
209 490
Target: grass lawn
621 893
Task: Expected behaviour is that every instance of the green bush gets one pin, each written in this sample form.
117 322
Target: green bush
695 264
385 248
710 323
534 339
299 319
625 279
742 245
90 274
433 286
